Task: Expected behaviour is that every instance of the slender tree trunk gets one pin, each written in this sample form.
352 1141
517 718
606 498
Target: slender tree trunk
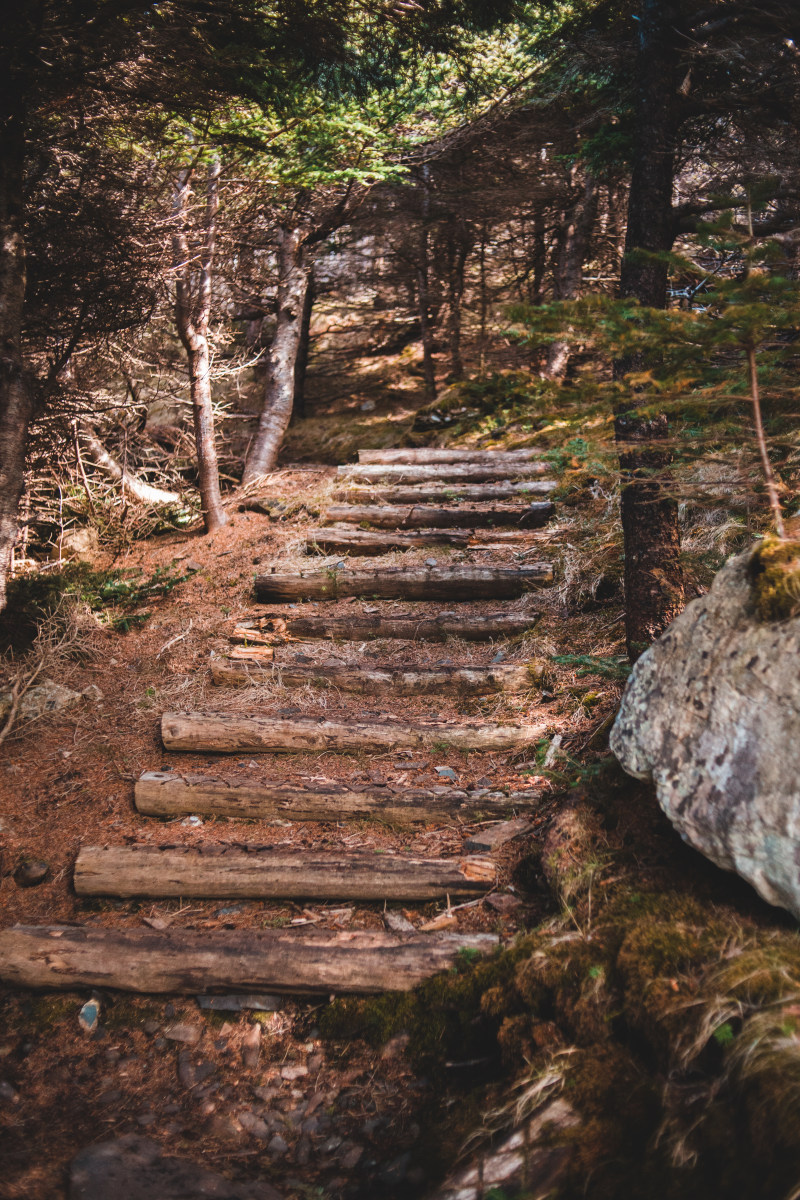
141 491
303 349
461 244
484 296
276 413
423 287
16 382
654 592
568 281
192 313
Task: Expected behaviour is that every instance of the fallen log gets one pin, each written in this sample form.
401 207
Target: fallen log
256 654
440 472
425 516
231 734
462 582
373 681
189 962
375 542
172 794
433 454
259 873
408 626
445 493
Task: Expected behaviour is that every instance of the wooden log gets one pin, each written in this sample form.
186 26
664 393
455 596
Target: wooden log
434 454
462 582
254 654
425 516
440 472
231 734
497 836
445 493
361 627
189 962
173 794
374 681
258 873
364 542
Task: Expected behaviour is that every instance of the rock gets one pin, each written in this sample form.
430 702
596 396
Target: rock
89 1016
240 1003
497 835
30 873
254 1125
188 1034
45 697
134 1168
251 1047
292 1073
395 1046
191 567
145 1119
447 773
349 1155
223 1127
277 1145
395 922
93 693
711 714
503 902
367 406
8 1094
82 543
191 1073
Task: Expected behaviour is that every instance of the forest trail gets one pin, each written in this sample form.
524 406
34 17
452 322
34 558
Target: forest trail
309 961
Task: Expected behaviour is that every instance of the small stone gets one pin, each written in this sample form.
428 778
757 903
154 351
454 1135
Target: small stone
499 656
31 873
228 910
191 566
447 773
395 1046
349 1155
89 1016
188 1034
397 923
146 1119
303 1152
93 693
333 1143
150 1026
192 822
8 1094
251 1047
292 1073
431 562
367 406
503 902
254 1125
277 1145
222 1126
266 1093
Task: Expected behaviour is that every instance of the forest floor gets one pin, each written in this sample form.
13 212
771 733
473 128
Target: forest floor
318 1114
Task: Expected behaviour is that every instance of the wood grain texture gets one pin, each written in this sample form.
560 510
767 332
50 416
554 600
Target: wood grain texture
231 734
173 793
444 493
427 516
188 962
377 681
434 454
258 873
441 472
408 626
406 583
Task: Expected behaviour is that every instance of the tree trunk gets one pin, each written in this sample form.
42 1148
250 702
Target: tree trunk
461 583
461 243
188 962
258 873
568 280
654 592
366 542
16 381
423 287
145 493
444 493
279 389
303 349
358 627
378 681
226 734
424 516
173 794
192 314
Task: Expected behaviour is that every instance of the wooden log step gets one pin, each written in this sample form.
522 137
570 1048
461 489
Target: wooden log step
254 654
435 454
259 873
426 516
461 582
361 627
374 681
174 794
445 493
188 962
440 472
363 542
232 734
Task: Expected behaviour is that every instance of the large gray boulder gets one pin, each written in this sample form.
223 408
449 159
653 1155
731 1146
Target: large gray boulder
711 714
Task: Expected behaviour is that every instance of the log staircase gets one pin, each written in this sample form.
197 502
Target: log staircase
475 500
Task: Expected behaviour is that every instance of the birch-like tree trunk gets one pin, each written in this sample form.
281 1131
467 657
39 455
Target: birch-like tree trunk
192 314
294 272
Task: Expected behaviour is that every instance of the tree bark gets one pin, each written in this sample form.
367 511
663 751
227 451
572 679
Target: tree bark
378 681
568 278
444 493
654 592
424 516
441 472
226 734
188 962
423 287
432 454
276 413
406 583
303 350
365 542
16 380
409 627
253 872
461 241
173 794
192 314
145 493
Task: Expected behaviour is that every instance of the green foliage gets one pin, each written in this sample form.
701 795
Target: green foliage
775 573
588 664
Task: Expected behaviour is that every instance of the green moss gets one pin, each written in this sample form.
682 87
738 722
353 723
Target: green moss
775 574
